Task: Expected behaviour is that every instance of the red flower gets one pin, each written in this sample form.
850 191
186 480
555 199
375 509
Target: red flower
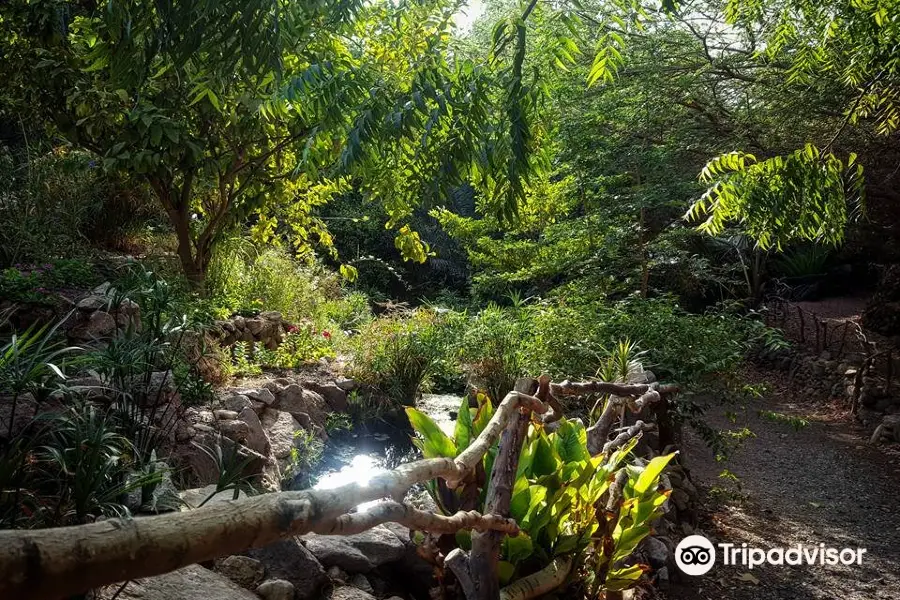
326 335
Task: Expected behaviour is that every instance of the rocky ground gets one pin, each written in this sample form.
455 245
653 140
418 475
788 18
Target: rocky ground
824 483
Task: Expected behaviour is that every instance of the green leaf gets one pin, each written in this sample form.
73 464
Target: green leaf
464 428
570 441
649 477
435 443
517 548
622 579
545 461
483 416
505 571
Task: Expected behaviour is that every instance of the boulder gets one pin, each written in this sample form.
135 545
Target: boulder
359 553
262 395
255 326
256 437
333 395
234 430
238 402
350 593
189 583
97 325
225 415
294 399
290 561
276 589
280 427
245 571
92 303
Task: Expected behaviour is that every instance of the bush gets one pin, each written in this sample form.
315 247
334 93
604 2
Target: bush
244 280
31 283
492 348
397 355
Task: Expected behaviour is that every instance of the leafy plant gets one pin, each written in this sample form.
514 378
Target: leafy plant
231 469
306 453
558 498
396 355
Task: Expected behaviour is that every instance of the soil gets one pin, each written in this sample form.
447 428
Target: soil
823 483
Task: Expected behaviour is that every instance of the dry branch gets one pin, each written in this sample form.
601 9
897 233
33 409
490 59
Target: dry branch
547 579
390 511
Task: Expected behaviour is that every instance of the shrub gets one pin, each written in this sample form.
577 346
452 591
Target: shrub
244 280
31 283
396 355
492 348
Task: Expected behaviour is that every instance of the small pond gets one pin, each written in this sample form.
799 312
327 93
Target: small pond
378 446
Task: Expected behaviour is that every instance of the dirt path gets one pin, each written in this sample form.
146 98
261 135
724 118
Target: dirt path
824 483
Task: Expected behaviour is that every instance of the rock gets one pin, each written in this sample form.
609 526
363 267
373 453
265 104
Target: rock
97 326
238 323
276 589
333 395
662 578
92 303
290 561
346 384
681 499
280 427
104 289
262 395
357 553
234 430
189 583
225 415
360 582
255 326
245 571
238 402
295 399
256 436
194 497
350 593
337 574
655 551
271 315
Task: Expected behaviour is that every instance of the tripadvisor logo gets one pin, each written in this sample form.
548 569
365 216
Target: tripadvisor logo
696 555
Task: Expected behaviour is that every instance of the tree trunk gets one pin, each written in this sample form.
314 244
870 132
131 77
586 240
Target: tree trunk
176 201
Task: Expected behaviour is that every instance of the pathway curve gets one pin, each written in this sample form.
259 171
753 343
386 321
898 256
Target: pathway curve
824 483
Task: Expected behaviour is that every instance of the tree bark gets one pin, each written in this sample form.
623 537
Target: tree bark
486 545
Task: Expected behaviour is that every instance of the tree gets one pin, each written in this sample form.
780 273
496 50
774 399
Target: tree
234 111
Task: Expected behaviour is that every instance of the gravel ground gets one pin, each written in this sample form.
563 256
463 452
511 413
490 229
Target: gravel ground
823 483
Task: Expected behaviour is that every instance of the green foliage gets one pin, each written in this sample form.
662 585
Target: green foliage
803 262
306 452
35 283
245 280
559 497
796 423
396 355
491 349
801 196
231 469
336 422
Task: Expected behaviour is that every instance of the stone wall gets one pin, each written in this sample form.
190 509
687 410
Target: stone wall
267 328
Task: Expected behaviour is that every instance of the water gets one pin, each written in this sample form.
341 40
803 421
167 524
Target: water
381 445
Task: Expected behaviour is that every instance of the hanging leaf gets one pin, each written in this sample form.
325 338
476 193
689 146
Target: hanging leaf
464 427
435 443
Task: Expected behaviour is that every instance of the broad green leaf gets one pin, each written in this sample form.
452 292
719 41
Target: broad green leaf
435 443
505 571
463 430
627 539
517 548
622 579
570 441
483 416
649 477
545 460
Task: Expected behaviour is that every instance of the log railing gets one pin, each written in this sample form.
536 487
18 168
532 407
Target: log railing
50 564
